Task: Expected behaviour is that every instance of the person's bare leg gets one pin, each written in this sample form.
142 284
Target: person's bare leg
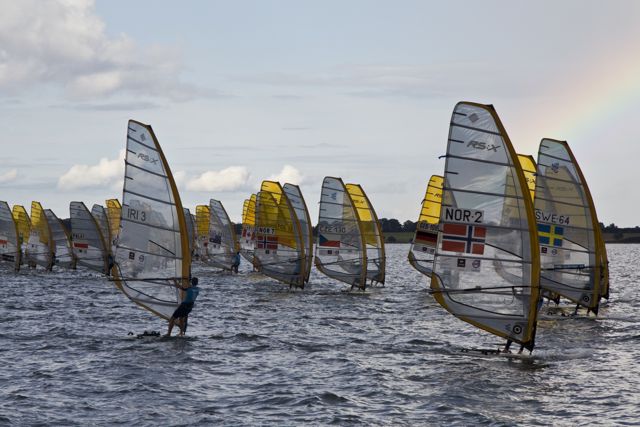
172 321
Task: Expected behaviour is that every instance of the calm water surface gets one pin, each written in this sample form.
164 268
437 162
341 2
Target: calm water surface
258 353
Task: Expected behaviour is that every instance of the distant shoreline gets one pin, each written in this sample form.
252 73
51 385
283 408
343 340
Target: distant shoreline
609 238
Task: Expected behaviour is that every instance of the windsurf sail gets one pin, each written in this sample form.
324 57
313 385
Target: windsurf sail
223 244
40 248
191 229
248 237
23 222
302 214
61 241
425 238
340 248
479 230
567 227
528 165
9 237
89 244
152 258
21 217
604 265
372 233
279 246
114 210
203 217
101 216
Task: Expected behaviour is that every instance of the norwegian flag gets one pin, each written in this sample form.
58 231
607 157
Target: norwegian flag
463 238
265 241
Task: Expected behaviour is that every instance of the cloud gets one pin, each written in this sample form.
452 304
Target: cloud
65 43
288 174
409 81
228 179
9 176
107 173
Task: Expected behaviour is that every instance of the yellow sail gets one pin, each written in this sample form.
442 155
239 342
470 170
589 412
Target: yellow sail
23 222
528 165
114 210
372 232
247 241
426 236
152 257
39 247
279 246
203 215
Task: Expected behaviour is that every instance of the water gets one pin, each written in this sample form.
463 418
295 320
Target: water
260 354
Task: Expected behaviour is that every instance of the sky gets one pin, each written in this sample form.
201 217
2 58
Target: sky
241 91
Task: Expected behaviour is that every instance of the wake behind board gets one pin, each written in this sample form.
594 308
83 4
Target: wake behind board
492 352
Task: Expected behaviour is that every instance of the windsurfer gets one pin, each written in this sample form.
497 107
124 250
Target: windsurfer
181 315
236 263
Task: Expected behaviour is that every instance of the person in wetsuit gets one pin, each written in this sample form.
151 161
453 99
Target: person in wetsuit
181 314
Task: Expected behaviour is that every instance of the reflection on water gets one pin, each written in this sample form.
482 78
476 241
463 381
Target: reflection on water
258 353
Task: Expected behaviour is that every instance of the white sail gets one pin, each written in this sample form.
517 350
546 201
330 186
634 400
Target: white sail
63 253
481 232
89 244
340 246
191 229
9 237
302 213
152 254
101 216
223 244
568 227
40 248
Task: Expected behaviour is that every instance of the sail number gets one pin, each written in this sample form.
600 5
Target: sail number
463 215
542 216
336 229
136 214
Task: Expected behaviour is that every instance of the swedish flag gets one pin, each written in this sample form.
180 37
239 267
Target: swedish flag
550 235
